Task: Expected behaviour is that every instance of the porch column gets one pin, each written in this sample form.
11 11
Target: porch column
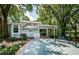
47 32
12 30
54 33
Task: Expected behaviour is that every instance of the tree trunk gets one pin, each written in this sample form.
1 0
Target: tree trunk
5 28
75 32
63 27
0 27
62 31
4 13
70 33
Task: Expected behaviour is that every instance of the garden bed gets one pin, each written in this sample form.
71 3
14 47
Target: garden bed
12 47
11 50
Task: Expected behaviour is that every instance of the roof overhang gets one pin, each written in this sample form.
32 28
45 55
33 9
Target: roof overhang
41 27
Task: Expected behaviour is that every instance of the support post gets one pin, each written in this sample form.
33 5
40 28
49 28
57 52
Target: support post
46 32
54 34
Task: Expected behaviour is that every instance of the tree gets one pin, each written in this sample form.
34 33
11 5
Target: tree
75 27
5 9
62 13
4 13
17 12
25 18
45 15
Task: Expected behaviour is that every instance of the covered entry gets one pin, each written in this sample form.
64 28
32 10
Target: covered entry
44 30
39 31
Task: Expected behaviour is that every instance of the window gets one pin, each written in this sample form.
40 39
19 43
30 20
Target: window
15 29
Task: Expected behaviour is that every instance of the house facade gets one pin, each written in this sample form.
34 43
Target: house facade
29 28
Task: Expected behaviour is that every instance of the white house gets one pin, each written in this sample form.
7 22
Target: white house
30 28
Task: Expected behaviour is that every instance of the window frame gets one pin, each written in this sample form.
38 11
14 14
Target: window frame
15 27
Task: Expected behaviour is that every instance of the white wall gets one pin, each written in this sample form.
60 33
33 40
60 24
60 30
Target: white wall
29 32
33 33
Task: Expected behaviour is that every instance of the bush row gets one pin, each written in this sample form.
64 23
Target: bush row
11 39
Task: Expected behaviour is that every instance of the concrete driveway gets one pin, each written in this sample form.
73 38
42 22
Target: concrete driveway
47 47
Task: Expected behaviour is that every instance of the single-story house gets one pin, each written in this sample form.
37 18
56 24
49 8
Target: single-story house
29 28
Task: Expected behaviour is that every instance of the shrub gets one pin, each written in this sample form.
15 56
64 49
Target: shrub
23 37
11 50
51 35
12 39
1 38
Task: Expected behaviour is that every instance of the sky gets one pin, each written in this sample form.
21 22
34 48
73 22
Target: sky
32 15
